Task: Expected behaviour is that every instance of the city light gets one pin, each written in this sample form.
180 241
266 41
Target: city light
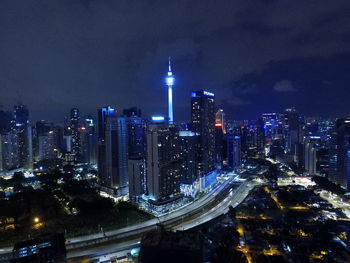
239 151
158 118
170 80
211 94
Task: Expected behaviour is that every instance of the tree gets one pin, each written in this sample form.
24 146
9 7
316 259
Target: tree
18 188
3 183
18 178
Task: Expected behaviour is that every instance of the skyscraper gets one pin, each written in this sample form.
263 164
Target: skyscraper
103 114
220 131
90 141
292 131
189 145
163 162
47 146
21 115
310 158
170 81
203 123
113 165
75 125
24 136
339 164
137 177
234 156
10 153
260 136
136 132
122 155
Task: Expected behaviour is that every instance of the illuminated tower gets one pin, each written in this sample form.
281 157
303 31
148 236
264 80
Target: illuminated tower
169 80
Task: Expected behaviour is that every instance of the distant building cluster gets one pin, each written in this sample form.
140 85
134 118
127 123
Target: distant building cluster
160 160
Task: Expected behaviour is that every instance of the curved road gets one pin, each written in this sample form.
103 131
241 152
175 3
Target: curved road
118 242
214 204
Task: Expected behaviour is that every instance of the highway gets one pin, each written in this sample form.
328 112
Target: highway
119 242
214 204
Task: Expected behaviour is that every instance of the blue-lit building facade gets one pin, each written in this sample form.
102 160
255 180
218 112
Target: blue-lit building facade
234 153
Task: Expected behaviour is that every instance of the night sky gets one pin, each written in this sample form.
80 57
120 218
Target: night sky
257 56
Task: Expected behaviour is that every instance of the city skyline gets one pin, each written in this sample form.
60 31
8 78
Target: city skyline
174 131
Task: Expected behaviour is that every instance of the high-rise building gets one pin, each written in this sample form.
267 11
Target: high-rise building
189 146
260 136
116 162
48 148
136 132
163 162
220 131
21 115
123 155
292 131
339 163
137 177
103 114
75 131
203 123
234 155
170 81
10 150
89 144
6 121
271 127
24 136
310 158
110 172
25 146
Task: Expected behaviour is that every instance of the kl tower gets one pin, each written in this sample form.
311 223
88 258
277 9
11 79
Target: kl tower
169 81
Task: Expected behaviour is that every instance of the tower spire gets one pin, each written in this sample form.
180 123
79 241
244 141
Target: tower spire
169 64
169 80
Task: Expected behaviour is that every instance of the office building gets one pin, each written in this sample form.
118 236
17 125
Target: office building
339 164
203 123
10 150
189 147
137 177
293 134
89 145
220 131
48 148
234 155
24 136
116 153
103 114
260 137
136 136
75 131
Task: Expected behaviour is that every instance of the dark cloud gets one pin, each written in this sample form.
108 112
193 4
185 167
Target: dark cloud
284 86
60 54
